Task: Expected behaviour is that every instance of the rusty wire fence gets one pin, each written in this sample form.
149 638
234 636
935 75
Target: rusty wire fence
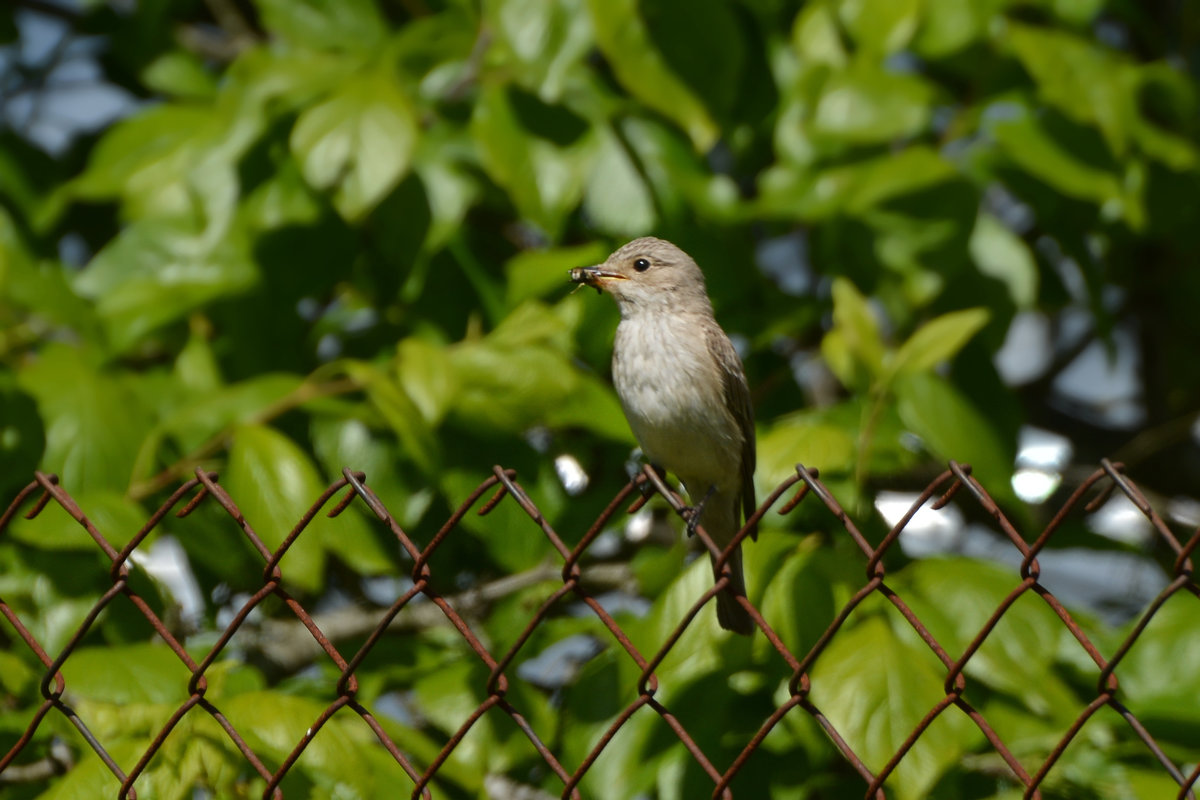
502 486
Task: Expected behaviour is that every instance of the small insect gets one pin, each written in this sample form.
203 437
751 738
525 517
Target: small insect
584 277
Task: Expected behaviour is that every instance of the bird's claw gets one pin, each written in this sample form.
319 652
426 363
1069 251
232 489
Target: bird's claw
693 512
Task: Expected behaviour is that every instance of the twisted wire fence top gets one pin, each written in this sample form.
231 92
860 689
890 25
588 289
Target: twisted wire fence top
1021 770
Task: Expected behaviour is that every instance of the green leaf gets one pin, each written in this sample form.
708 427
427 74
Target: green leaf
865 105
451 187
954 25
181 74
1002 255
400 412
423 369
1025 139
94 423
1080 78
806 439
274 483
617 199
114 515
881 27
854 188
817 36
543 43
626 41
680 181
854 683
157 271
953 428
544 178
592 406
202 413
938 340
854 346
350 25
955 597
145 160
533 274
127 674
800 599
345 441
358 142
1154 676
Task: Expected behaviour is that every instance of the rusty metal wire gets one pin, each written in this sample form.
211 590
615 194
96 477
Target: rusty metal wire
804 485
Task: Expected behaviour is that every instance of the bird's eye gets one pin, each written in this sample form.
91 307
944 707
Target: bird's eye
641 264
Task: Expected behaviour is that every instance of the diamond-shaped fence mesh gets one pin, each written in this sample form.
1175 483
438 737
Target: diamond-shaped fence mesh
1027 773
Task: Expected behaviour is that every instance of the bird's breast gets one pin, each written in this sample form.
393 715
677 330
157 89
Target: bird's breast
672 392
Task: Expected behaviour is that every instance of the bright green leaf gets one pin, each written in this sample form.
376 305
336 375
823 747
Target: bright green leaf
127 674
953 428
1032 147
625 40
544 178
1079 77
1002 255
854 682
617 199
351 25
880 26
868 106
358 142
400 412
94 423
274 483
157 271
856 325
938 340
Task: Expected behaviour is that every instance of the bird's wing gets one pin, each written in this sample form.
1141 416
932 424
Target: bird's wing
737 400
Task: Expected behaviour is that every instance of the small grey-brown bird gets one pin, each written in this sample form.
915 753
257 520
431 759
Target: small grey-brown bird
684 392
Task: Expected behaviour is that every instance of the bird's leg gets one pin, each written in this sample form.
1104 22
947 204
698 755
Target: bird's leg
695 511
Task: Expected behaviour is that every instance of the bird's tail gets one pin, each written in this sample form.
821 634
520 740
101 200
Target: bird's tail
731 615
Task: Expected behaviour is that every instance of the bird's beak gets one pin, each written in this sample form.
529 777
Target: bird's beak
595 277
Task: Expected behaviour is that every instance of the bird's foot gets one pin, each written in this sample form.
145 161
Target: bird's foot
694 512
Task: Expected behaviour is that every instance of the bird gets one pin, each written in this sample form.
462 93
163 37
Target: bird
683 389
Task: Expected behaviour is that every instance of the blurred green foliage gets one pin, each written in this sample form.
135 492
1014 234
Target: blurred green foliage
337 234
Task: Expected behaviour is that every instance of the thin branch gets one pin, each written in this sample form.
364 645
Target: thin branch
287 645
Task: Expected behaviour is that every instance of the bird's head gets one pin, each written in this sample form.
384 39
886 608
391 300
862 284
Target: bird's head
648 273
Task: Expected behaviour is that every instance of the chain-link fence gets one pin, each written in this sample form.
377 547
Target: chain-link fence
502 486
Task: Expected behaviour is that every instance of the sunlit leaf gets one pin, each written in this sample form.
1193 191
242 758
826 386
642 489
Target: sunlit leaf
157 270
938 340
338 24
952 427
358 142
1001 254
853 684
625 40
857 344
94 423
274 482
